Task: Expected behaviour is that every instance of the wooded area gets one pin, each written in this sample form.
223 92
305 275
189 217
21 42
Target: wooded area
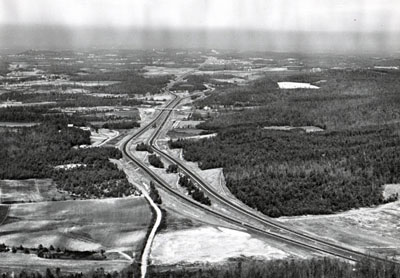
35 152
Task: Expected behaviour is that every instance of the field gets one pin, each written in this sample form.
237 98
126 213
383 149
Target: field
107 224
10 262
375 230
30 190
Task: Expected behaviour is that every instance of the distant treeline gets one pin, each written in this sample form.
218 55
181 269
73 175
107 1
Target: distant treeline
70 100
131 82
121 125
346 98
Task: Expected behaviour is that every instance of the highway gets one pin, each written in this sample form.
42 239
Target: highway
283 234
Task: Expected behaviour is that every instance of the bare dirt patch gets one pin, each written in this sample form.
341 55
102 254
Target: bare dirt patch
210 244
367 229
390 190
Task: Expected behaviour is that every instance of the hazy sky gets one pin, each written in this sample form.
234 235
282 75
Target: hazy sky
293 15
279 25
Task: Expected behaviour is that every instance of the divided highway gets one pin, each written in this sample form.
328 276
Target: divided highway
290 236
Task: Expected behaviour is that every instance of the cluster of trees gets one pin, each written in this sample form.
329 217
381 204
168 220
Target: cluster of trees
35 151
142 147
154 195
121 125
193 190
172 168
293 173
53 253
313 268
155 161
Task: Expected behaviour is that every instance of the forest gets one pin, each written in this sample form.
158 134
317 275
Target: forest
294 173
43 113
346 98
35 152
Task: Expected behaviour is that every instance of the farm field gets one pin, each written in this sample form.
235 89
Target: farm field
10 262
30 190
109 224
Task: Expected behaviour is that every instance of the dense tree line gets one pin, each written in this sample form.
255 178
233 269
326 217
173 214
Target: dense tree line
293 173
39 114
155 161
121 125
314 268
193 190
35 152
240 268
56 272
131 82
63 99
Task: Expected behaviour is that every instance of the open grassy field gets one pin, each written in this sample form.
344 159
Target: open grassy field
118 224
30 190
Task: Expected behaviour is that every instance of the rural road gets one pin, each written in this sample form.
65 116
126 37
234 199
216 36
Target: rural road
147 248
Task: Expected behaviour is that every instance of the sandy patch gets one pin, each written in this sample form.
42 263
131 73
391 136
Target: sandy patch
391 189
69 166
369 229
296 85
209 244
307 129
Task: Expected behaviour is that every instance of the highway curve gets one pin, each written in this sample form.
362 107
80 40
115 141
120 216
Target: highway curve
293 237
